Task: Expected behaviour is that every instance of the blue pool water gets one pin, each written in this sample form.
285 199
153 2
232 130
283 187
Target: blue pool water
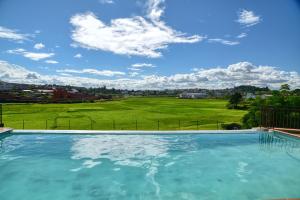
202 166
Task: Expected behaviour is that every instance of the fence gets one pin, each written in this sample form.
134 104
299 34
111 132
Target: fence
272 117
88 123
1 122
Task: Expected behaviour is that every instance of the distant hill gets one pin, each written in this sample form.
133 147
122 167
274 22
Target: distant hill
250 89
5 86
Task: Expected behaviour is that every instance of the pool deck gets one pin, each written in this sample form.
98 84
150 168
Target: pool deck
289 131
5 130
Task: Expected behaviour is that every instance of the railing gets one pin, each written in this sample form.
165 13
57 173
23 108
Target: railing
273 117
1 122
88 123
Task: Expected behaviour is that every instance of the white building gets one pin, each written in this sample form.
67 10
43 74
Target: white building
45 91
198 95
250 96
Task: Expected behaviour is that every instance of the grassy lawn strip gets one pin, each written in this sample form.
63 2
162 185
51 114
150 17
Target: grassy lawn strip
142 113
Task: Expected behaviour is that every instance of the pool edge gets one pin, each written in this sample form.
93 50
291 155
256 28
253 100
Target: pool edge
123 132
5 130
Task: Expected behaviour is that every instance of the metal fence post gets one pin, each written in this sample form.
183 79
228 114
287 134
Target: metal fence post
136 126
1 122
260 121
273 118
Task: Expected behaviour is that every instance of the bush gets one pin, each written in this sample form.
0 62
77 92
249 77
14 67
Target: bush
231 126
234 100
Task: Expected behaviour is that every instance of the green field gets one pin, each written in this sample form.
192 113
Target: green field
127 114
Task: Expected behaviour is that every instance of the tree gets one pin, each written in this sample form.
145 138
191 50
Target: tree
285 90
285 87
234 100
277 100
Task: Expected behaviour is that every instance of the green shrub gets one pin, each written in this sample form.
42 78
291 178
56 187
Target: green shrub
231 126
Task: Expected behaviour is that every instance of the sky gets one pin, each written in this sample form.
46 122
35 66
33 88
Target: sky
151 44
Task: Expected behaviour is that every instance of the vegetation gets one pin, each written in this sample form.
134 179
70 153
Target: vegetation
231 126
284 98
234 100
142 113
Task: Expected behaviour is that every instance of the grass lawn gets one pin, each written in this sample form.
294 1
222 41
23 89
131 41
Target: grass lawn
126 114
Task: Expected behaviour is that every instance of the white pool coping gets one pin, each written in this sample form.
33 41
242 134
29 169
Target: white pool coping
5 130
123 132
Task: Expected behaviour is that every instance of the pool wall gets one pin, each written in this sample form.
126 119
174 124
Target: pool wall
114 132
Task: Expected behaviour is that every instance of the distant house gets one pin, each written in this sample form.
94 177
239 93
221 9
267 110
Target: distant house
265 96
73 91
29 91
198 95
250 96
218 94
45 91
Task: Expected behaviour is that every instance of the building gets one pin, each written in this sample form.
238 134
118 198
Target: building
250 96
265 96
198 95
46 91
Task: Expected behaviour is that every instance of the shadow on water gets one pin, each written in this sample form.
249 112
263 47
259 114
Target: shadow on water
2 138
271 142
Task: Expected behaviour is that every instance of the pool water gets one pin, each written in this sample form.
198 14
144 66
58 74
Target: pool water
191 166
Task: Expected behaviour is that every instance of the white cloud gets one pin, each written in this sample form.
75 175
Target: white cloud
93 71
31 55
37 56
242 35
10 72
248 18
78 55
222 41
39 46
128 36
106 1
10 34
141 65
134 69
51 61
242 73
16 51
133 74
155 9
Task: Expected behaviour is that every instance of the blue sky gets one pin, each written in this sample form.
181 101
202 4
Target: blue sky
150 44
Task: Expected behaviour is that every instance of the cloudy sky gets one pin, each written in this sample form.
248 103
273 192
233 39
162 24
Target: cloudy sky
151 44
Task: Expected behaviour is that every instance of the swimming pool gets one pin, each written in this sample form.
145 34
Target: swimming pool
61 166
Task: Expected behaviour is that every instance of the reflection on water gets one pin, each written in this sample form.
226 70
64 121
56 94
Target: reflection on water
7 146
128 150
134 151
275 141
